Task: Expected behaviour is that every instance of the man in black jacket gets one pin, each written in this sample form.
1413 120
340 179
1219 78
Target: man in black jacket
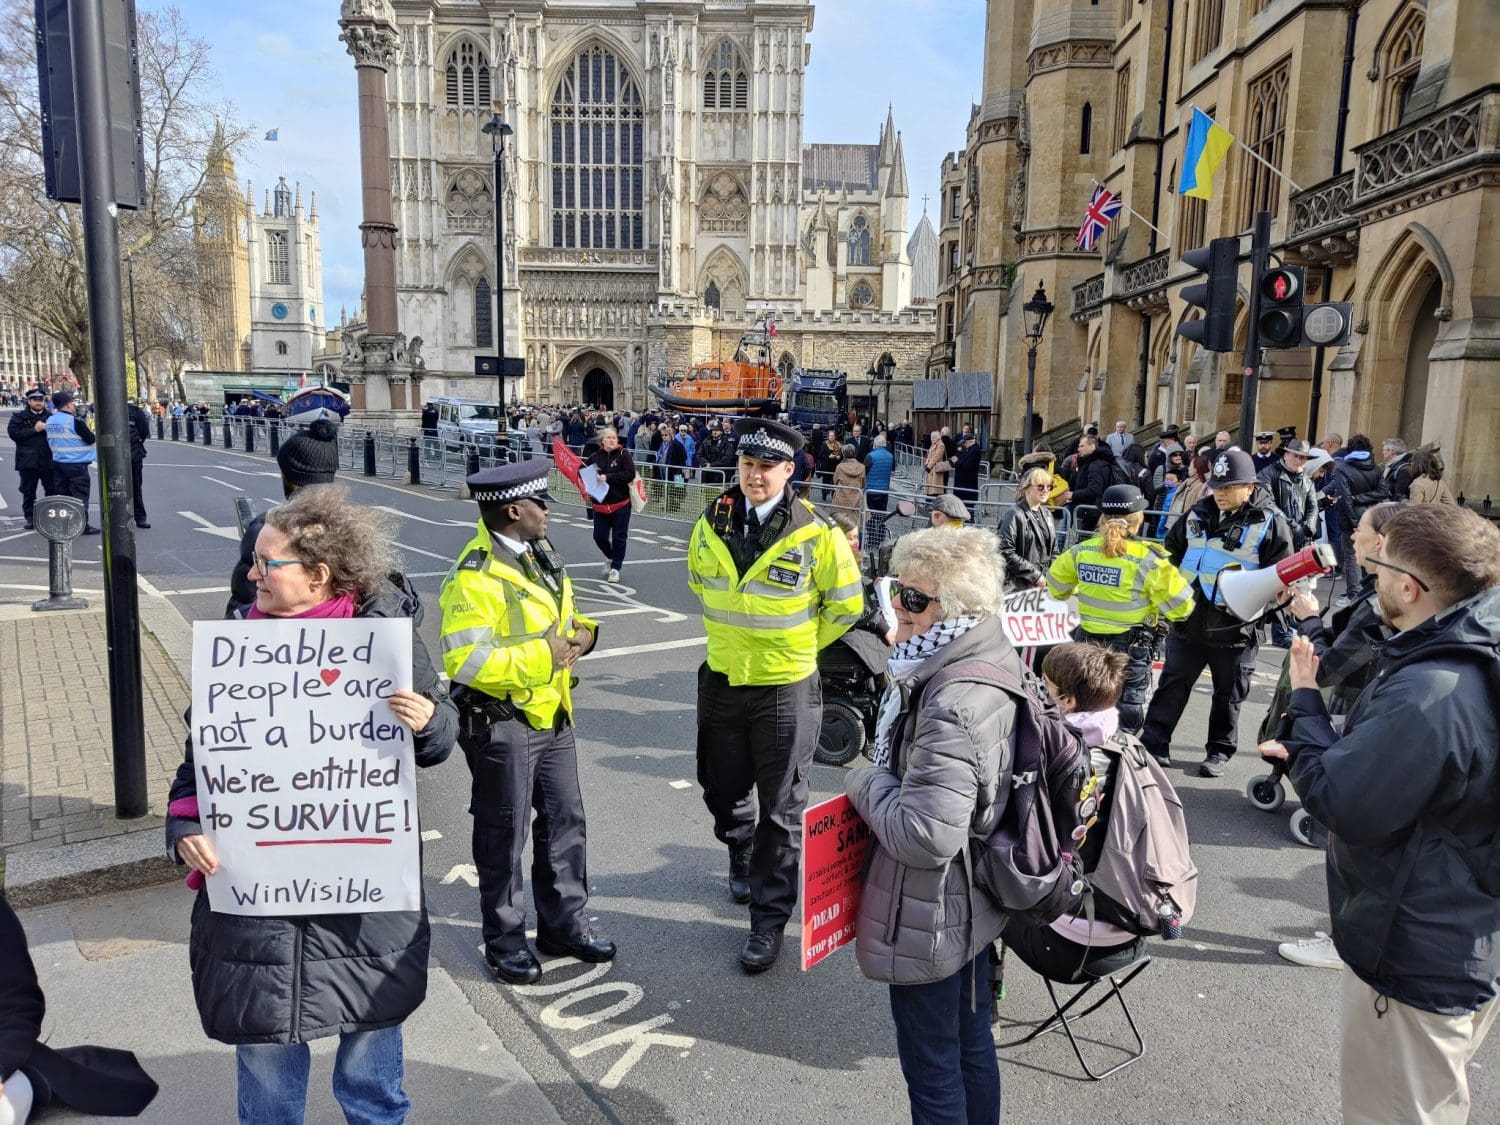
1408 794
1236 525
1093 472
28 429
140 430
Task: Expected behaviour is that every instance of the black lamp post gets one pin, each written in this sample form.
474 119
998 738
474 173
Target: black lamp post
135 343
497 130
1037 310
871 378
887 373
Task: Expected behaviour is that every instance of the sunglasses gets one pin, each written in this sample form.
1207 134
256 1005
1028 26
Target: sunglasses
265 566
1426 589
913 601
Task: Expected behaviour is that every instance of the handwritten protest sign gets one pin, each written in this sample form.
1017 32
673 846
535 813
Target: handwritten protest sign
834 843
305 776
1033 617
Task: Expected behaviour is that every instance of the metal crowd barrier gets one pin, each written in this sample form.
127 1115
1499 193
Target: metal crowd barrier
1075 533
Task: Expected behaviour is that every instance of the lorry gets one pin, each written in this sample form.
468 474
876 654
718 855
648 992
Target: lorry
817 397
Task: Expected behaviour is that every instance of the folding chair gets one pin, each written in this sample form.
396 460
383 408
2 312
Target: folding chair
1060 1019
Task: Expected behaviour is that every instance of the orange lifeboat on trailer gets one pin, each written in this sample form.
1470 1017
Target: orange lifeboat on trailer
746 384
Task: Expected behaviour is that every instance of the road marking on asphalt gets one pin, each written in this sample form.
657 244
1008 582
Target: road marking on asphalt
17 535
432 834
38 559
632 650
465 871
210 528
680 784
225 483
199 590
422 519
429 554
633 562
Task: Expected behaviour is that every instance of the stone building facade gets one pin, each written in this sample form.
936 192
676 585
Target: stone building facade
1384 112
29 357
658 194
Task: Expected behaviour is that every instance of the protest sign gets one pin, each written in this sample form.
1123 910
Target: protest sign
305 776
834 843
1033 617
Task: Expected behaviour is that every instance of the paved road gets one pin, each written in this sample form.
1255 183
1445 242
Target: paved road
673 1030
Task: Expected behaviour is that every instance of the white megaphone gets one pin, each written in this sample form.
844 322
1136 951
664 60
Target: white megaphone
1248 594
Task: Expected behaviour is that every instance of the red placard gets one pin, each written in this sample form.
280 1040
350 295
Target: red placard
835 841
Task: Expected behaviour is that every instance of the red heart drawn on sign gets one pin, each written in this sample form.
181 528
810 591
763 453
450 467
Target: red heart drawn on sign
329 675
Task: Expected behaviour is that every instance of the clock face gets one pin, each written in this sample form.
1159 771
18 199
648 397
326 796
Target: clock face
278 310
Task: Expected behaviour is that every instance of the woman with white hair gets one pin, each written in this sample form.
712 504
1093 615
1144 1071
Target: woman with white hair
942 745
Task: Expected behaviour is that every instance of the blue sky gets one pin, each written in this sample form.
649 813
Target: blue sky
281 66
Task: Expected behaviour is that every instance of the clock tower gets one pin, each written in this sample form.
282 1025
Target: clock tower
219 228
286 282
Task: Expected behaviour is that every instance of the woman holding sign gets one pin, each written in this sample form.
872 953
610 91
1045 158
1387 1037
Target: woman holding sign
941 745
269 984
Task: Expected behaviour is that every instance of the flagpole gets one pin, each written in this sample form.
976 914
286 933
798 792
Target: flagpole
1274 170
1138 215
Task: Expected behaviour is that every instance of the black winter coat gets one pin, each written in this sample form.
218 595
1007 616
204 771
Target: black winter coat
32 450
617 470
1027 539
1348 648
1091 476
139 423
1210 625
1297 500
1414 774
292 979
1362 487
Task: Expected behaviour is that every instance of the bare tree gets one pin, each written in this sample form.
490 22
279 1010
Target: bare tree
42 267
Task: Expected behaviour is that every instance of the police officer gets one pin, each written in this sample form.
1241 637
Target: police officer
28 429
778 582
1236 525
510 639
1125 587
140 430
73 450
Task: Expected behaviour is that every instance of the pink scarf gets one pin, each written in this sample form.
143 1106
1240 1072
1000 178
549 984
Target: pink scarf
341 606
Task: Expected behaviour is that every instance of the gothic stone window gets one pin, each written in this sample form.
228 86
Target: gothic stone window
1122 108
468 77
1086 130
1206 29
859 242
724 209
484 322
726 81
281 347
1266 136
861 296
278 258
711 298
1400 61
469 204
597 156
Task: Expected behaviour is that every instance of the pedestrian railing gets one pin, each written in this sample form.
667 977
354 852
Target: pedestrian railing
1089 514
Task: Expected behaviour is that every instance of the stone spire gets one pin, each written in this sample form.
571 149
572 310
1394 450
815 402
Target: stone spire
888 136
897 186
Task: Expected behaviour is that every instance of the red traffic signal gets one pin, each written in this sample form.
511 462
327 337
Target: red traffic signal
1280 322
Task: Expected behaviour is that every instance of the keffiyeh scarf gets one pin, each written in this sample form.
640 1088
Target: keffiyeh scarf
905 659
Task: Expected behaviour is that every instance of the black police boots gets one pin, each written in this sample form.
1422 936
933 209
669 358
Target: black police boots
739 875
760 951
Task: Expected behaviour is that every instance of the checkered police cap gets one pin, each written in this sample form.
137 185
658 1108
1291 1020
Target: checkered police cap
505 484
766 440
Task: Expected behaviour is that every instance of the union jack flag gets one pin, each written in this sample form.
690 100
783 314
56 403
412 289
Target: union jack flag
1103 207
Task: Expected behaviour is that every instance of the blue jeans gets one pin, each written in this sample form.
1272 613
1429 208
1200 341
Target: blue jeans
947 1049
611 534
367 1073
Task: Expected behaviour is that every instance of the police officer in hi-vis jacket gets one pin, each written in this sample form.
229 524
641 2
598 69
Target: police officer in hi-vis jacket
510 639
778 582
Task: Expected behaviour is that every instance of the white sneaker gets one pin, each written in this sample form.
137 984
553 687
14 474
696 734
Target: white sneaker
1316 952
612 575
605 573
1343 602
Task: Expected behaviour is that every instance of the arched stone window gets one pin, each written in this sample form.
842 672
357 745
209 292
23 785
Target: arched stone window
1086 129
711 299
484 314
859 242
861 296
281 347
1400 61
723 209
598 155
726 79
468 77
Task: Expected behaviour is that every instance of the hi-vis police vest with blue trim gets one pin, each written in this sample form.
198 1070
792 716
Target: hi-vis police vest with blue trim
66 445
1206 557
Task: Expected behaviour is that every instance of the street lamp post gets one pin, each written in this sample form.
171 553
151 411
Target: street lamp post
135 343
497 130
887 373
1037 310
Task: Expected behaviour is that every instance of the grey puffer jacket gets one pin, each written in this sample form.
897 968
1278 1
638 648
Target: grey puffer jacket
920 920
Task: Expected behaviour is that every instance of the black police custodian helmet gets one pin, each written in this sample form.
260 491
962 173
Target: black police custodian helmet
1121 499
1231 466
766 440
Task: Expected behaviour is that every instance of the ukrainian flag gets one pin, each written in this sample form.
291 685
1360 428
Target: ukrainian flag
1207 145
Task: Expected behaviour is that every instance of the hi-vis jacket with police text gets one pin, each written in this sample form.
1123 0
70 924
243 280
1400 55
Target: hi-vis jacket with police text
495 621
766 627
1116 595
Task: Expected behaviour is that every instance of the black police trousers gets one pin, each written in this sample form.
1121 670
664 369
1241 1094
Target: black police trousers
754 747
30 478
1231 669
520 770
1137 647
70 479
137 496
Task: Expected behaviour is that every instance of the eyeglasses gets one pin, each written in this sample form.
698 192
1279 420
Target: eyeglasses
1426 589
265 566
913 601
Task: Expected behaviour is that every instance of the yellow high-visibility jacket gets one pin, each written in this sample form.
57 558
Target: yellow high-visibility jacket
493 636
1116 595
766 626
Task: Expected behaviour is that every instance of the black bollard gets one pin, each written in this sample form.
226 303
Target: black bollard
249 437
191 436
275 436
228 435
369 454
161 428
59 520
208 431
175 429
473 460
414 461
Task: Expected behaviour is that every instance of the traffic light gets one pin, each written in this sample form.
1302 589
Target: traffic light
1219 262
1281 291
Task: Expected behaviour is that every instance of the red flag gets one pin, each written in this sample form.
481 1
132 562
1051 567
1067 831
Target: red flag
568 464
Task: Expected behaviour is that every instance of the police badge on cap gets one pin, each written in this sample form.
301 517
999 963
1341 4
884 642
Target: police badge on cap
1231 466
766 440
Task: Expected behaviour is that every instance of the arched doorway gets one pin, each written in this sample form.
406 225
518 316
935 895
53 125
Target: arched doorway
1423 335
599 388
